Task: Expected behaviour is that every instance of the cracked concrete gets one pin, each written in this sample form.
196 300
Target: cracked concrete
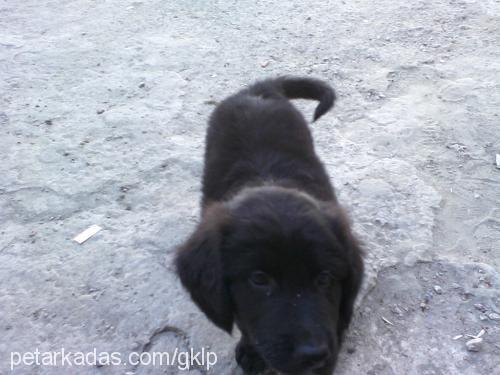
103 112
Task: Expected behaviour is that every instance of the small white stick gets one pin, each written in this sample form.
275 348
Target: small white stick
481 333
387 321
87 233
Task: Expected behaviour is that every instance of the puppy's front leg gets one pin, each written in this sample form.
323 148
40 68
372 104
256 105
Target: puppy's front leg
248 359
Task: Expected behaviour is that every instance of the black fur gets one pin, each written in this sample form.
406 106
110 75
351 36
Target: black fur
274 252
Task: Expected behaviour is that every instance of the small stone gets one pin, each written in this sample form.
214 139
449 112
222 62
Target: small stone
48 122
483 317
494 316
480 307
474 345
351 350
100 111
427 297
135 345
423 306
438 289
142 85
498 160
397 311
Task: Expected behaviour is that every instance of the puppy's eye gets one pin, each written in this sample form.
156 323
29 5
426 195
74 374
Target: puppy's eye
324 279
260 279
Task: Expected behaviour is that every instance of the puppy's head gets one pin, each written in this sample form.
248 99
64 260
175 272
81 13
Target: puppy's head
284 267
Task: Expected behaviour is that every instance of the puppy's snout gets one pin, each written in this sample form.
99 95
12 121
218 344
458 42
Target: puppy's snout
312 355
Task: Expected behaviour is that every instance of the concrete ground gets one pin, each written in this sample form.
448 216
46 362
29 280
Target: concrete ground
103 111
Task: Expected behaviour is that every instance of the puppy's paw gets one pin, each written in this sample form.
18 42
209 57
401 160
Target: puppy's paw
248 359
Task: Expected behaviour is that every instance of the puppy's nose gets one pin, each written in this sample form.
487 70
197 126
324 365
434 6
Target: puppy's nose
311 355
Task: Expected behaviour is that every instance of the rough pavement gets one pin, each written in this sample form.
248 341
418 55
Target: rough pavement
103 112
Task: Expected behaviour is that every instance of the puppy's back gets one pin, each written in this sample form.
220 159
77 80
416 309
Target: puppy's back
258 135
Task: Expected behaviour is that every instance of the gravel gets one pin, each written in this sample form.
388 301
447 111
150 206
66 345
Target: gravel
102 95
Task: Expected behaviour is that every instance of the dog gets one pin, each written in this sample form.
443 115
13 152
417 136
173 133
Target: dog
274 253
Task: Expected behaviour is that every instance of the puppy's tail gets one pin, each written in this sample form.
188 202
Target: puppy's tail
297 88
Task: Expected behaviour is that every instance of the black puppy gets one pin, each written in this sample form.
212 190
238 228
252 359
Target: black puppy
273 252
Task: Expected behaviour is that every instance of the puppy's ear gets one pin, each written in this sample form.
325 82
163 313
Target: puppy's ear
340 227
199 266
351 284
